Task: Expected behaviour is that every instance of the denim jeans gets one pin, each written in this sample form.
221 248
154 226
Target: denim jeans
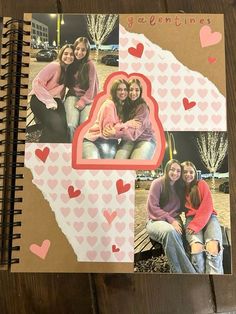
136 150
205 262
99 149
172 242
74 116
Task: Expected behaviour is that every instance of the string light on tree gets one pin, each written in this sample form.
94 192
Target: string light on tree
99 27
213 147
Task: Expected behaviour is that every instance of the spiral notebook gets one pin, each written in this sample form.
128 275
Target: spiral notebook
64 212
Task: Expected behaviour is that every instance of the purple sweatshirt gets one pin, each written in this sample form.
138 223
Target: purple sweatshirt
170 210
145 131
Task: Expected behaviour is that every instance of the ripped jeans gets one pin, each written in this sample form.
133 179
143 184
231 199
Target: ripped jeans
205 262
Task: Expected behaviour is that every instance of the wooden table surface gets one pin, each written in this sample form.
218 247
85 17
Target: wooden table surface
138 293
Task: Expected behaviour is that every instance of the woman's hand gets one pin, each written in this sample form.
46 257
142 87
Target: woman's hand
189 231
79 105
109 131
53 106
134 123
177 226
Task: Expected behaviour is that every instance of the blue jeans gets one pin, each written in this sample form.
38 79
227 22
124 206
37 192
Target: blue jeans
172 242
136 150
99 149
205 262
74 116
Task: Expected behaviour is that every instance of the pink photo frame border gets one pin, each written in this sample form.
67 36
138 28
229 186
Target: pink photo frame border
116 164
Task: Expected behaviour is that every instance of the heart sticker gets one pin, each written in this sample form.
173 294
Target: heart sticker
42 154
209 38
115 248
211 59
121 187
136 52
109 216
40 250
188 104
72 192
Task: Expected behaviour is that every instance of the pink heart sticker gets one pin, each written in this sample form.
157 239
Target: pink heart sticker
209 38
40 250
109 216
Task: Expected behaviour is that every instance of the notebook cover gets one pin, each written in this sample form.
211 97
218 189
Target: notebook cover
83 215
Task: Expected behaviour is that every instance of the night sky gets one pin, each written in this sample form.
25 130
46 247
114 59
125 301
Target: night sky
75 26
186 146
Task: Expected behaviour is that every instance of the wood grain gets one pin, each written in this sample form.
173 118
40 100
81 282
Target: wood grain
151 293
44 293
69 293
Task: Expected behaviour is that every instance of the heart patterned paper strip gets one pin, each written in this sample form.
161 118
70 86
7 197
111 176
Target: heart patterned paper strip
171 82
86 205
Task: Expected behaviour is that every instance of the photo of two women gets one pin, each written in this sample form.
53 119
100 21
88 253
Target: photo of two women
182 217
68 67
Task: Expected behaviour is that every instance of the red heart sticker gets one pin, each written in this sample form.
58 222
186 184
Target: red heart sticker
115 248
72 192
42 154
211 59
136 52
121 187
188 104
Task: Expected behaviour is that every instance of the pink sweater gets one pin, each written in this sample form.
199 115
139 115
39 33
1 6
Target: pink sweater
87 96
45 85
203 213
107 116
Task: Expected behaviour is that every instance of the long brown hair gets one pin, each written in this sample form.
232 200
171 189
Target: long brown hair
192 188
78 71
116 100
178 185
130 106
59 59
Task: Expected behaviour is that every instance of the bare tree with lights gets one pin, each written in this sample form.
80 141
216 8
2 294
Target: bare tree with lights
99 27
213 149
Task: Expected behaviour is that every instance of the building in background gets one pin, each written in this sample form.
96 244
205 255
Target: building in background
40 36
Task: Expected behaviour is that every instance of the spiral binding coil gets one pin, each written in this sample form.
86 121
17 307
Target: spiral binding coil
11 119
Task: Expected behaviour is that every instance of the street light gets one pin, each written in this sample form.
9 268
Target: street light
60 21
171 144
